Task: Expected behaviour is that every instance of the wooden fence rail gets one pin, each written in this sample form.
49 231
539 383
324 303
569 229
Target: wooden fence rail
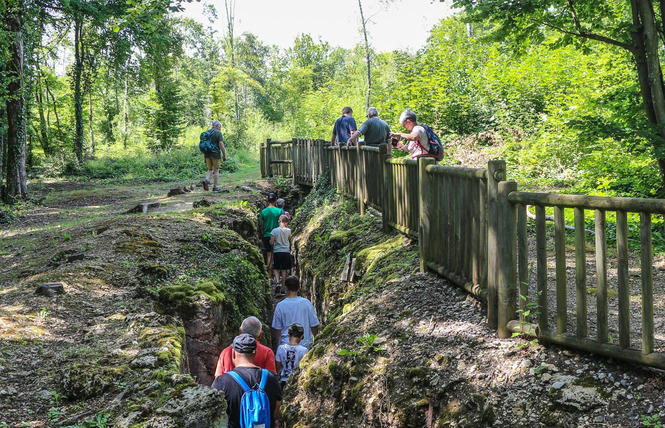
472 228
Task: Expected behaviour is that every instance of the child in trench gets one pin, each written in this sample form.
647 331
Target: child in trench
281 241
289 354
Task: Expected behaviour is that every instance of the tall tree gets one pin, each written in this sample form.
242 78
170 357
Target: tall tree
636 28
15 104
367 54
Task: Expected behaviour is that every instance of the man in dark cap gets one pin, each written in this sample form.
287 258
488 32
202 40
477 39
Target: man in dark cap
268 220
243 352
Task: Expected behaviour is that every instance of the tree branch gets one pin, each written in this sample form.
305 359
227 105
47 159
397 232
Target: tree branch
591 36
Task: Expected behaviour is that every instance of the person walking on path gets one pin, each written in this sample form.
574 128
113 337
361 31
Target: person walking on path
289 355
375 130
264 356
417 141
269 220
281 242
243 355
213 158
294 309
344 126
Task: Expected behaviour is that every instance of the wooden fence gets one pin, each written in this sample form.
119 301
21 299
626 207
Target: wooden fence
472 229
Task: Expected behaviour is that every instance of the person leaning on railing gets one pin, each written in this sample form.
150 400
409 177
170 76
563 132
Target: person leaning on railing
375 130
418 143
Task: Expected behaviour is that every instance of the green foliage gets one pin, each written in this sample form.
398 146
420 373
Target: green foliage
651 420
179 164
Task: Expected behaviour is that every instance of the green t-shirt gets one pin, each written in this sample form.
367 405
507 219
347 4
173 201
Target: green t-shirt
216 137
270 218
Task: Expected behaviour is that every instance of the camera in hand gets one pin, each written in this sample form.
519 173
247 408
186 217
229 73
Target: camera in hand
394 141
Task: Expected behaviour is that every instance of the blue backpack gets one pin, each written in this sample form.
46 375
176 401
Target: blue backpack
254 404
435 145
205 142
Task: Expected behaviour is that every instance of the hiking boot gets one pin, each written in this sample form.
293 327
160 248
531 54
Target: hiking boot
205 185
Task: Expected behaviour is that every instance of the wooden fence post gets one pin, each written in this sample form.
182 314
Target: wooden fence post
294 157
262 158
496 172
361 179
269 157
424 193
507 272
387 186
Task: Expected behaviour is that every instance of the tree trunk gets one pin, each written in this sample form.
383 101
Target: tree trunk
43 126
3 146
650 75
125 113
367 56
78 93
92 132
16 147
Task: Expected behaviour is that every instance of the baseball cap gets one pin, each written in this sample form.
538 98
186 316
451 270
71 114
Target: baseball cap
244 344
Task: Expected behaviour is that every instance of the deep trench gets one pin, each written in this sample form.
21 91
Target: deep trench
207 332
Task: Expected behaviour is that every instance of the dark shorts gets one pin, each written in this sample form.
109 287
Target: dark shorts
282 261
266 244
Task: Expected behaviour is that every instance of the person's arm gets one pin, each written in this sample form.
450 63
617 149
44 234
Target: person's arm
353 139
315 331
278 366
411 137
276 337
272 240
275 414
223 149
333 140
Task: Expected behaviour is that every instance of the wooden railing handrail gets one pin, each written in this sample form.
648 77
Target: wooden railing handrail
457 171
654 206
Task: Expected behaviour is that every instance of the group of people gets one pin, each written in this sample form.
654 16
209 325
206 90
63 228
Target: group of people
246 363
345 132
274 224
377 131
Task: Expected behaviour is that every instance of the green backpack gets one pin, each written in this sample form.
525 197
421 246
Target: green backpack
205 142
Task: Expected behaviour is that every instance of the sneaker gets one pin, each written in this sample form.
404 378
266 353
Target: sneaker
216 189
205 184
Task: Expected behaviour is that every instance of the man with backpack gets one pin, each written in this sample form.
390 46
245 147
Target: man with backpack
422 141
211 143
253 395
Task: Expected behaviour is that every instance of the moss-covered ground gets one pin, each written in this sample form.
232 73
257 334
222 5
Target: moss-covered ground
111 350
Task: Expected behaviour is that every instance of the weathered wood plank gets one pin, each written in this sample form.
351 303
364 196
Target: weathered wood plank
580 274
647 282
622 279
541 266
601 278
522 260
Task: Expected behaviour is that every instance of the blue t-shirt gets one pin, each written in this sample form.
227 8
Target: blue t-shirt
292 310
282 244
343 128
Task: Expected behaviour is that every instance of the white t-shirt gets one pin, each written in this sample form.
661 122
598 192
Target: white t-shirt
416 149
282 244
289 356
295 310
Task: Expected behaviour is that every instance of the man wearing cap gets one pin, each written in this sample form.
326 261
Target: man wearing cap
375 130
213 158
268 220
243 353
264 357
